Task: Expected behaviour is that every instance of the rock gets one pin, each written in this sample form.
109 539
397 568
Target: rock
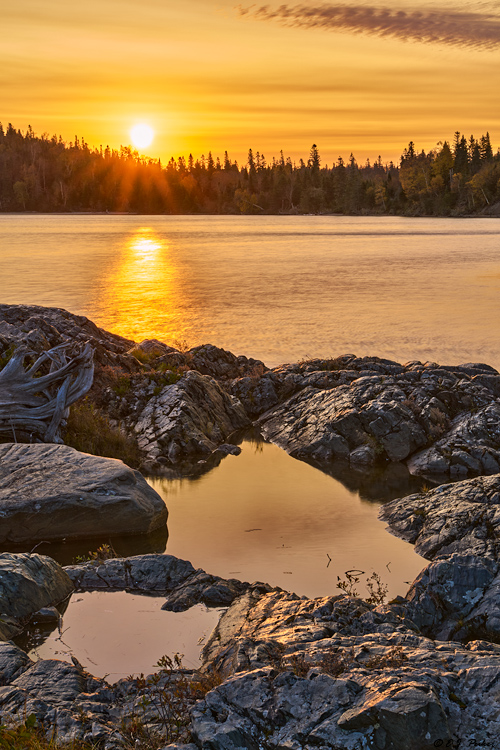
338 672
28 582
257 394
187 421
442 421
55 492
477 433
454 518
41 328
219 363
160 575
447 591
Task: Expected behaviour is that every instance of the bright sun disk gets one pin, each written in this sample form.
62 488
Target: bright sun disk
142 135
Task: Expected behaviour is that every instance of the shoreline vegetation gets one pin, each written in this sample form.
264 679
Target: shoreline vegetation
43 174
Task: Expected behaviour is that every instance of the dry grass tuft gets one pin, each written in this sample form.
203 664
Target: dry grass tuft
89 430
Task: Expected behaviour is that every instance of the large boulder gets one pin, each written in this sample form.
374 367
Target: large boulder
55 492
28 582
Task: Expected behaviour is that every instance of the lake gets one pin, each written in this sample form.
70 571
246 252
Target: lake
278 289
275 288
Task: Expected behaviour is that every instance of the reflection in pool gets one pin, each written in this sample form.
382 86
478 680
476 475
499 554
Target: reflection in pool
261 515
116 634
265 516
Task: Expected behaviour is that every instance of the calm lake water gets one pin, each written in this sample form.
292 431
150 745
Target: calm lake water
278 289
275 288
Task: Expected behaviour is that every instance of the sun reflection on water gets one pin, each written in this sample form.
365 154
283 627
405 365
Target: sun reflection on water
144 290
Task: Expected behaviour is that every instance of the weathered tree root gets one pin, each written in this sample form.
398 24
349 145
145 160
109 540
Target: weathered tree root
35 406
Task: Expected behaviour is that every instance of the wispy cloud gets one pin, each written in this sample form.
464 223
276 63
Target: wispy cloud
461 28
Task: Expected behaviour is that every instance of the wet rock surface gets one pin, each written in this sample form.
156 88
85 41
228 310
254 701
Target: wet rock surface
55 492
28 583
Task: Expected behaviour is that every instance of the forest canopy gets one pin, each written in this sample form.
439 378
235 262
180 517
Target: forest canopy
46 174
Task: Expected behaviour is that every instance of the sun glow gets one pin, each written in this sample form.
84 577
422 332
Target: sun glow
142 135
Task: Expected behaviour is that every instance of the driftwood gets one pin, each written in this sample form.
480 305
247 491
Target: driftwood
34 406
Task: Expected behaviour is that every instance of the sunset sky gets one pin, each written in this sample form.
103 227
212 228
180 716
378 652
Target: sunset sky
210 75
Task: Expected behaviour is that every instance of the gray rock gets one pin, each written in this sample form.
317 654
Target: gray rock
339 673
28 583
55 492
257 394
187 421
470 432
442 421
160 575
454 518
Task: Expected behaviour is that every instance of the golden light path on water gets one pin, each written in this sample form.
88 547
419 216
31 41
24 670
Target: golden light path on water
144 285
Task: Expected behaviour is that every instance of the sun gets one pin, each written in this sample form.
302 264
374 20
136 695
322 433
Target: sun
142 135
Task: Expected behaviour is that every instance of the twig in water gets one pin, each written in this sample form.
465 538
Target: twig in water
37 545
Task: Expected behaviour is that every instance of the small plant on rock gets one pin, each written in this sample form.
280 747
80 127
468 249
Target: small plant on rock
165 704
104 552
377 590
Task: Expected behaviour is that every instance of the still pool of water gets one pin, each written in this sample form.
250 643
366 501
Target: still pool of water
116 634
275 288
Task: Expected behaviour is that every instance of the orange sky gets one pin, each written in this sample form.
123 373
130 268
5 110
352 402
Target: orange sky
207 77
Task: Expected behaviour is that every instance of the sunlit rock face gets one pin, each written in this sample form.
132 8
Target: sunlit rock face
339 672
55 492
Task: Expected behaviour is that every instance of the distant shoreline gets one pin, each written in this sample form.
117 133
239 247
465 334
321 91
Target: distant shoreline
489 215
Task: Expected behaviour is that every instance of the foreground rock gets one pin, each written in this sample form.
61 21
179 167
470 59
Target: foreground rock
161 575
55 492
340 673
333 672
27 584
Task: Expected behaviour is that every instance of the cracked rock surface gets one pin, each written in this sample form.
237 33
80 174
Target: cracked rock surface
442 421
187 421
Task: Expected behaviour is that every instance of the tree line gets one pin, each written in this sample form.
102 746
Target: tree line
46 174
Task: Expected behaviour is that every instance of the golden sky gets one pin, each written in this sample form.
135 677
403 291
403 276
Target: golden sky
208 75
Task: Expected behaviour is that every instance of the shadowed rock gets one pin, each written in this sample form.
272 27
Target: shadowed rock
187 421
54 492
159 575
28 583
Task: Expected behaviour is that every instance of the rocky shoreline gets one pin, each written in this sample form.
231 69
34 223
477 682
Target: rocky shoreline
298 673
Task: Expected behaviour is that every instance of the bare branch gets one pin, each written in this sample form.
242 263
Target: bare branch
36 405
